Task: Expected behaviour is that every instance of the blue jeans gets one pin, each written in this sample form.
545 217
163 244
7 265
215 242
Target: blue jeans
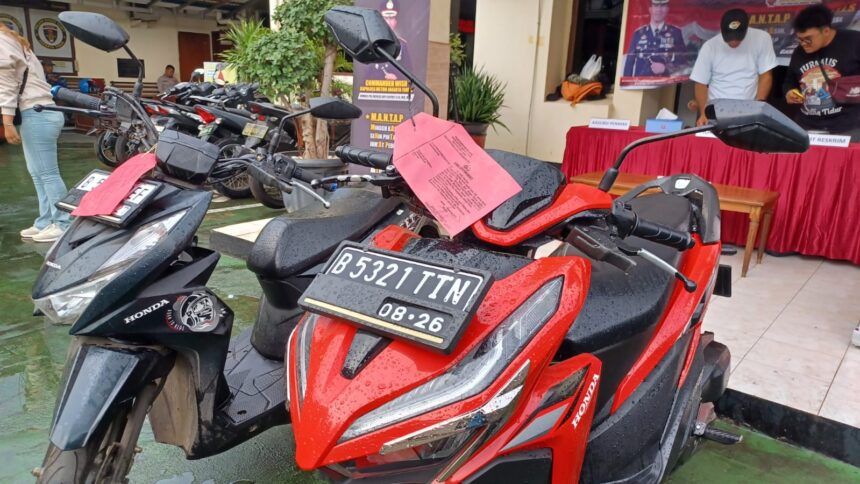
39 133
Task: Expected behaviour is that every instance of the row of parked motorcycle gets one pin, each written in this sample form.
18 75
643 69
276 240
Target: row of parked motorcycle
558 339
228 116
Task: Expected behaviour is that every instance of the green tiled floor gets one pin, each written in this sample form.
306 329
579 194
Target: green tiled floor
32 354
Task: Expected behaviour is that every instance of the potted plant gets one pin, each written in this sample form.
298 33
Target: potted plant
478 100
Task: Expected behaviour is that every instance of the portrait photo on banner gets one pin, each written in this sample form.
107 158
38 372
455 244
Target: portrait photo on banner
663 37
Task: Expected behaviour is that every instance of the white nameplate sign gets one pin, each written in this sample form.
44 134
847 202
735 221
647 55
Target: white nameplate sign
618 124
829 140
706 134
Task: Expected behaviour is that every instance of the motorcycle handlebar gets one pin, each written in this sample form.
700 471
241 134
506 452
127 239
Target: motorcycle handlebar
288 168
360 156
76 99
629 223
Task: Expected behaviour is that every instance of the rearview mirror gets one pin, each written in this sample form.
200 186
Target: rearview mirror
755 126
333 108
361 31
94 29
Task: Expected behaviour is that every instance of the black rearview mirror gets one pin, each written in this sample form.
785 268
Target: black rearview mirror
360 31
333 108
755 126
95 29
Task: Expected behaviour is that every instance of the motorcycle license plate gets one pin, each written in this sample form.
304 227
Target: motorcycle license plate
142 193
255 130
398 295
206 130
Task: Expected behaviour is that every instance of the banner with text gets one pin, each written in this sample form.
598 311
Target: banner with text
385 96
662 40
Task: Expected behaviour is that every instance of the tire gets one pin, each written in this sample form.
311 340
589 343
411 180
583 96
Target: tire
122 150
106 148
239 185
269 196
83 466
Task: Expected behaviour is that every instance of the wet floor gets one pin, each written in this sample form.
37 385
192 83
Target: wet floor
32 353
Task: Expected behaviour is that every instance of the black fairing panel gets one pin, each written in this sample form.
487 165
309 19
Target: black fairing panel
619 305
540 181
86 245
533 467
301 239
628 443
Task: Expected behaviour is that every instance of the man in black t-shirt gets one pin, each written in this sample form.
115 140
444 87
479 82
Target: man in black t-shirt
823 55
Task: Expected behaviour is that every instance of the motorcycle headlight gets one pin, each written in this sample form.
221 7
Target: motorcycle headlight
475 372
65 307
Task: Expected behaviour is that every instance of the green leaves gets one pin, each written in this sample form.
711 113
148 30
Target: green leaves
288 61
479 97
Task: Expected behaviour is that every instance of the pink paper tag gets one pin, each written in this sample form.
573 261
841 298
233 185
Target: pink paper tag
105 198
453 177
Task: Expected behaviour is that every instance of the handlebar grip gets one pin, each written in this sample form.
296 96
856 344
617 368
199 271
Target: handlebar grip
629 223
360 156
663 235
75 98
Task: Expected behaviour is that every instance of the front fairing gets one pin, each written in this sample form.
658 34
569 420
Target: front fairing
88 244
331 402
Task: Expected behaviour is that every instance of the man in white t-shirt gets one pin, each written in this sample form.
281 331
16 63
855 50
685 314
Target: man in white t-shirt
734 65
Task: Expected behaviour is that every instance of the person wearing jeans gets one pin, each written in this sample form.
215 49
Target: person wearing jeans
22 86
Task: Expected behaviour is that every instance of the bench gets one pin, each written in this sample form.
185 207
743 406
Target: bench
150 89
756 203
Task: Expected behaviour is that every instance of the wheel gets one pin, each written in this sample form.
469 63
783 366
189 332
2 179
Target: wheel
106 148
110 453
91 464
269 196
239 185
124 148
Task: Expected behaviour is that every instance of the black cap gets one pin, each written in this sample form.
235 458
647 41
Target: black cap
734 24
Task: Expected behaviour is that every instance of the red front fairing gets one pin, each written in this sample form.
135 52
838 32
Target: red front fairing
332 402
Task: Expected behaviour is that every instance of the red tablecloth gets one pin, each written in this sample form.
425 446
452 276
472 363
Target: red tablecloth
818 212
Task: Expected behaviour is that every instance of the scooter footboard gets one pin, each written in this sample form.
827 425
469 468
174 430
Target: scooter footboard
97 380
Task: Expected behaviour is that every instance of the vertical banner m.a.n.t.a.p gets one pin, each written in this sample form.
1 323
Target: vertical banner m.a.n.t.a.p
385 96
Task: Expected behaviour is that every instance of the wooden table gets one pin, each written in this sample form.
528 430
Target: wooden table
756 203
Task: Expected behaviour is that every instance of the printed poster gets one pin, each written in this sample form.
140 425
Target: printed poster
662 41
48 36
385 96
14 18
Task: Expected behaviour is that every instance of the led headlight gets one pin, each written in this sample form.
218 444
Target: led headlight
475 372
65 307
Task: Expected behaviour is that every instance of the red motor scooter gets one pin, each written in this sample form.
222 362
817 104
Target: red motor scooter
558 340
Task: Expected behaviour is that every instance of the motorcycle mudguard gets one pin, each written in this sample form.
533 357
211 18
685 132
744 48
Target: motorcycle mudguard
99 379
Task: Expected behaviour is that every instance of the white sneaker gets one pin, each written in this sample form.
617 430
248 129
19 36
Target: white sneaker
29 232
49 234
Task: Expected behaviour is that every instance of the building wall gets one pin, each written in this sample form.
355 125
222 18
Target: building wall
525 44
156 43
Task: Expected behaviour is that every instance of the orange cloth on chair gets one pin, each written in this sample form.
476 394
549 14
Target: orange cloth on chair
577 92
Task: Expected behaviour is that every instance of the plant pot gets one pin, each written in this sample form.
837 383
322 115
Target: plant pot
478 131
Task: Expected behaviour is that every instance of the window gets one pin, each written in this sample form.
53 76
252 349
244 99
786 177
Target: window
595 30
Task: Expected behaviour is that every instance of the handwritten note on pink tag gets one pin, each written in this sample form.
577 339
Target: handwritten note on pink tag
105 198
453 177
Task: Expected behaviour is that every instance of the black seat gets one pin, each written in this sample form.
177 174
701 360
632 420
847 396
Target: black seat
620 306
540 181
299 240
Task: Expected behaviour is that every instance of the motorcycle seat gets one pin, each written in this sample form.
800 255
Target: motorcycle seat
540 181
301 239
618 305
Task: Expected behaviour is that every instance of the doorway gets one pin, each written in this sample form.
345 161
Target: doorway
194 50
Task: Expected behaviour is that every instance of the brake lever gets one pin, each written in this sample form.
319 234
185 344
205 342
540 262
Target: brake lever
689 284
312 193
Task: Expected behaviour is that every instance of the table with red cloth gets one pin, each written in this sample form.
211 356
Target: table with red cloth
818 212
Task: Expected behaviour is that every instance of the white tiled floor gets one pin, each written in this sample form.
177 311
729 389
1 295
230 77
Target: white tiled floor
788 326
